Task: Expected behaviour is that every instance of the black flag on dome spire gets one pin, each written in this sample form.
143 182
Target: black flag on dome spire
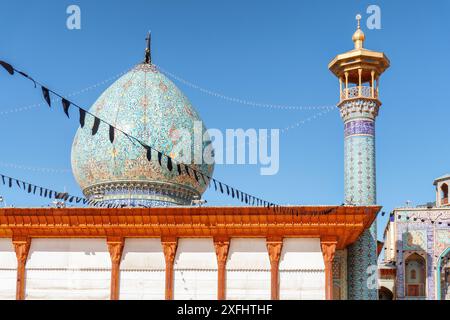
148 52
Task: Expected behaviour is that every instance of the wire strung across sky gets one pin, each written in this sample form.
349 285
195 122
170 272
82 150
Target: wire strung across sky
239 100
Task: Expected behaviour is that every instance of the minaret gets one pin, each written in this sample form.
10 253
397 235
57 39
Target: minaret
359 72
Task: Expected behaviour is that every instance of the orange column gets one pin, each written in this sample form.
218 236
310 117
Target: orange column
21 246
328 250
274 247
115 247
170 249
222 246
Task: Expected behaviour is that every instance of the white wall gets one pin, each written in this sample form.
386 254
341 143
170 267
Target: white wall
68 269
8 270
301 268
248 270
195 270
142 270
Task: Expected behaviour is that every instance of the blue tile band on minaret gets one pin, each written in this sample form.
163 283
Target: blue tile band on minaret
358 71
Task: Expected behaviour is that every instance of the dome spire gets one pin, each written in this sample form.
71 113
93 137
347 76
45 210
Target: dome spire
148 53
358 37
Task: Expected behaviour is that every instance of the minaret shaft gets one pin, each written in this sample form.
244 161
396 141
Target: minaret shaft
358 71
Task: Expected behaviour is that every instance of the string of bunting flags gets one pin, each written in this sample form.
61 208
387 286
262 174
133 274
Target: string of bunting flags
41 191
171 163
422 219
47 193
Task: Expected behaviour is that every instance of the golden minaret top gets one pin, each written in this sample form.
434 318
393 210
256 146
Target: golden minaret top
358 37
359 69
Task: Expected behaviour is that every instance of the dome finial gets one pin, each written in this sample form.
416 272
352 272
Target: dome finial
358 37
358 18
148 53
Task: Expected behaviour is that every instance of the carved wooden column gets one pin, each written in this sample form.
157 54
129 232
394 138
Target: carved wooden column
170 249
328 250
115 247
222 246
21 246
274 247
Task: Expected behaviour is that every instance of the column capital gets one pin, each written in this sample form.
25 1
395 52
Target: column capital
222 246
115 248
328 250
170 249
21 247
274 247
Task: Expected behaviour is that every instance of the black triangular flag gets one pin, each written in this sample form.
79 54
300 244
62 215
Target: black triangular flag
3 179
95 126
179 168
34 189
7 67
169 164
111 134
215 185
29 188
71 199
220 186
232 193
228 190
186 168
159 157
148 153
10 182
66 105
82 117
46 95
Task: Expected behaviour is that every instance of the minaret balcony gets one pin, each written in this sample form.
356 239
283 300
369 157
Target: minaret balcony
359 92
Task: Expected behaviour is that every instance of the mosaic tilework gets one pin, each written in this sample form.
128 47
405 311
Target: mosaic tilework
340 275
414 240
359 170
360 189
147 105
359 127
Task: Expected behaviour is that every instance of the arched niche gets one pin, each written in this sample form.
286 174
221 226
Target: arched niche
415 276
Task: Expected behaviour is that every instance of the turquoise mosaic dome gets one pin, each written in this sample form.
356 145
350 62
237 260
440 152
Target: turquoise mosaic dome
148 106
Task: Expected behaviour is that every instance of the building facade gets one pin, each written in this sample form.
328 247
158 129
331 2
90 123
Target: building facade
177 252
416 261
158 246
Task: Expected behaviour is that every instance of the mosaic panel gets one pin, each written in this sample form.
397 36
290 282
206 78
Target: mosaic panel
415 240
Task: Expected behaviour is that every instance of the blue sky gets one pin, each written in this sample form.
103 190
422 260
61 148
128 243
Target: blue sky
273 52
